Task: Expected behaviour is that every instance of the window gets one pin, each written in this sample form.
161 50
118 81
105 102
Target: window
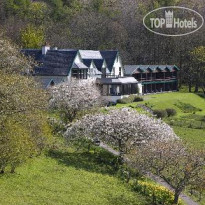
74 73
120 71
113 71
85 74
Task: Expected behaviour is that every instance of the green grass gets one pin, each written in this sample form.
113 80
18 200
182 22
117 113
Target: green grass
67 178
194 137
170 100
186 124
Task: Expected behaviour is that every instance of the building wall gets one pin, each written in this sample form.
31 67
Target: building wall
78 59
116 67
140 88
93 72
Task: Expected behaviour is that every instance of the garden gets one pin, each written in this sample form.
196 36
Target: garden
51 143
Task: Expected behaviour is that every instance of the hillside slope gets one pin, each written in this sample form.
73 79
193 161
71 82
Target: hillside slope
66 178
189 123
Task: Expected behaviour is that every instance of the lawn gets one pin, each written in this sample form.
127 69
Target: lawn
67 178
173 100
195 137
190 116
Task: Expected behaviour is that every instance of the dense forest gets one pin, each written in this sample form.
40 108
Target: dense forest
103 24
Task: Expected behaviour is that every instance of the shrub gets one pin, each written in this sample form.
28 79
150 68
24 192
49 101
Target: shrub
130 99
187 108
122 101
171 112
138 99
158 194
160 113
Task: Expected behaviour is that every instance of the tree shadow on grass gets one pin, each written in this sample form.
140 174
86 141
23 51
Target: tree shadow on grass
202 95
100 162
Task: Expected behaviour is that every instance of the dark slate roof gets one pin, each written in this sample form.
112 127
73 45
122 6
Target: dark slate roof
36 54
98 63
109 57
56 63
59 62
87 62
131 69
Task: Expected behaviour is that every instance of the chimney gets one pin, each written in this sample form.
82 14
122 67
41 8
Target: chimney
45 48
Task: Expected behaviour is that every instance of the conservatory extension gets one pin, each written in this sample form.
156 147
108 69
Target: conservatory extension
117 88
154 78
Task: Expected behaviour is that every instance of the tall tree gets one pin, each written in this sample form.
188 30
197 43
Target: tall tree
23 105
198 67
123 128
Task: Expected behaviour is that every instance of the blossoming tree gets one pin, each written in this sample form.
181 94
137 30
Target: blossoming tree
123 128
74 97
175 162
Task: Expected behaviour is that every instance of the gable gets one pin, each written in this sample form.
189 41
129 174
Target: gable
110 57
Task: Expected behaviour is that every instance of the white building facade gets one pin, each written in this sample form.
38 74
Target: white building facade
60 65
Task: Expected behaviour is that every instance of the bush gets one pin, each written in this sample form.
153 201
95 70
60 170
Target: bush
123 101
160 113
110 104
130 99
158 194
171 112
187 108
138 99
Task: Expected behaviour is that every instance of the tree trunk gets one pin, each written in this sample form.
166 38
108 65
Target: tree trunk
121 157
196 88
176 197
190 87
203 88
120 146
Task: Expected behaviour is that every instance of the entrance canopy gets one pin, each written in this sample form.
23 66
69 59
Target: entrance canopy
118 86
117 81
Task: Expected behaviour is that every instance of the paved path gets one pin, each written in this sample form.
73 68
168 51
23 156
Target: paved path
157 179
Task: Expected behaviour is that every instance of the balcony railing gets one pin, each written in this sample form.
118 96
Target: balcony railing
113 76
156 79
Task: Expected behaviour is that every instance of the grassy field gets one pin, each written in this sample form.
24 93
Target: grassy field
67 178
81 178
195 137
172 100
190 116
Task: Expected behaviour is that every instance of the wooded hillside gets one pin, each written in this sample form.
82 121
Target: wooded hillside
101 24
